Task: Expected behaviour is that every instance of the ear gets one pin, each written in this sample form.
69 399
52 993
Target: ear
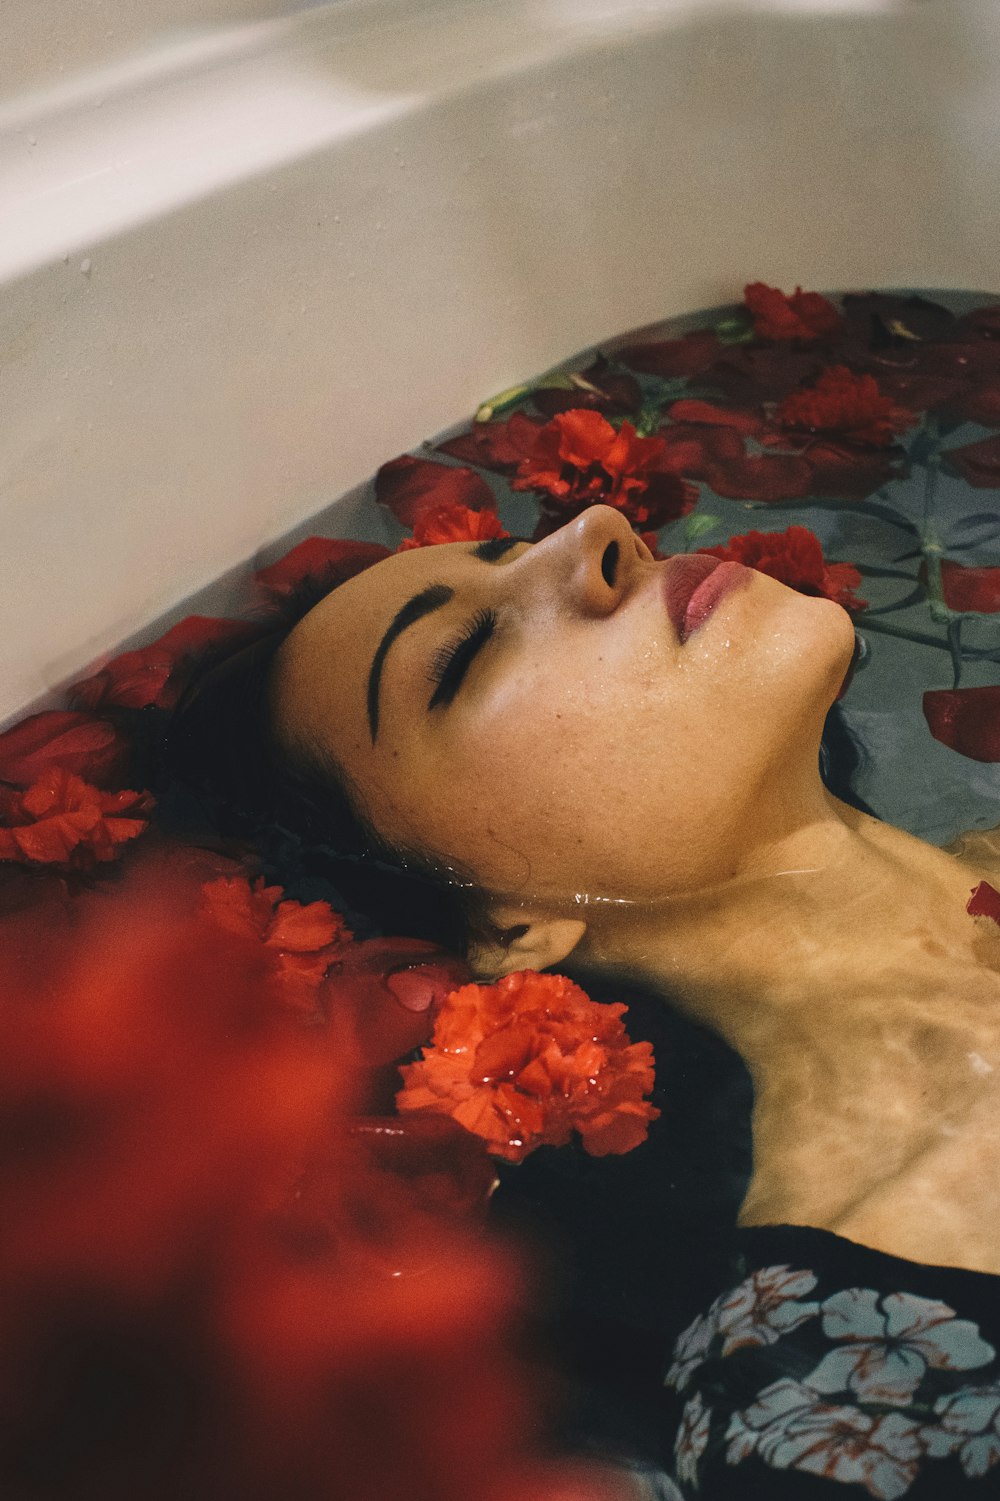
522 939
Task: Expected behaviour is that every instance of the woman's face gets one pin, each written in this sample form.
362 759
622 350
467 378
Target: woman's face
558 721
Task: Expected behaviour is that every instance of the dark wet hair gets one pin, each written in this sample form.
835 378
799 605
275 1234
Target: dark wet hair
225 775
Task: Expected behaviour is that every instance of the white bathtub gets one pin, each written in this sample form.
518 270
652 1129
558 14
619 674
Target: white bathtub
242 264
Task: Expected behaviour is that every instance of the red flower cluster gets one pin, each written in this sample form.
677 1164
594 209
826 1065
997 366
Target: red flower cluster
303 940
794 557
803 315
453 523
850 406
63 821
527 1061
578 460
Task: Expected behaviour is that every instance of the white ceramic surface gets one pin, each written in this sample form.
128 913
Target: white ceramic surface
247 255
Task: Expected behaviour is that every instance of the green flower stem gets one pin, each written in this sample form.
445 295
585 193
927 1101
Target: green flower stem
918 637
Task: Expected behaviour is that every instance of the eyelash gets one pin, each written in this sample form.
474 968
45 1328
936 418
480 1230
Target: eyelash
482 625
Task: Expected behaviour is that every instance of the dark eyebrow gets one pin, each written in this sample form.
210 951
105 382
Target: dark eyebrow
415 609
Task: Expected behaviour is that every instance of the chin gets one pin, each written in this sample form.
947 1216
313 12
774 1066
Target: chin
812 639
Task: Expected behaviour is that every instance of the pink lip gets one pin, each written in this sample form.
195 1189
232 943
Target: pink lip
694 584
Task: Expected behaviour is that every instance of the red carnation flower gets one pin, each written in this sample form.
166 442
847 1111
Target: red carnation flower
317 565
967 720
527 1061
304 939
578 460
62 820
88 747
157 674
984 902
851 406
453 523
803 315
794 557
409 486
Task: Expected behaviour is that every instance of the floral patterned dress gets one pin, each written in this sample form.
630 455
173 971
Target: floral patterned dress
829 1369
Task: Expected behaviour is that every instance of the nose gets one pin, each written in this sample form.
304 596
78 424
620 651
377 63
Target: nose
591 562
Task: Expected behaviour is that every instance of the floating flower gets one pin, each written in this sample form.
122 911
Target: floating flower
156 675
453 523
790 1428
579 459
890 1343
671 359
849 406
527 1061
88 747
304 939
984 901
409 486
62 820
967 720
803 315
794 557
316 566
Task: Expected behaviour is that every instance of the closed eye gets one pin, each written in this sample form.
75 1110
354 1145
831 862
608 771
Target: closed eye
451 662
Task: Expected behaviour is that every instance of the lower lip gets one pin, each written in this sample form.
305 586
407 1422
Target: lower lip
689 607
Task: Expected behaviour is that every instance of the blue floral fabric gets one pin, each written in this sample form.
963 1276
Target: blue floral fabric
828 1369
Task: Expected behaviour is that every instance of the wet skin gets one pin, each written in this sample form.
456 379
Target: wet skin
653 805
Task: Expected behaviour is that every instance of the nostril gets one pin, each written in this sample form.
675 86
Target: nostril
609 563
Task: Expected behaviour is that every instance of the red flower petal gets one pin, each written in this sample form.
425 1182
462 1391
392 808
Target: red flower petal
971 588
692 354
453 523
707 414
984 902
767 477
157 674
614 393
410 486
499 446
318 563
90 748
63 820
977 463
383 994
843 472
966 719
803 315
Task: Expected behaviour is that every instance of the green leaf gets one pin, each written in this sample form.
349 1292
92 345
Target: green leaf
735 330
699 526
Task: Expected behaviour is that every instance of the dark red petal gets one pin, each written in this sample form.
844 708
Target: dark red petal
690 355
966 719
409 486
977 463
868 313
984 902
499 446
841 472
709 415
768 477
87 747
971 588
320 562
